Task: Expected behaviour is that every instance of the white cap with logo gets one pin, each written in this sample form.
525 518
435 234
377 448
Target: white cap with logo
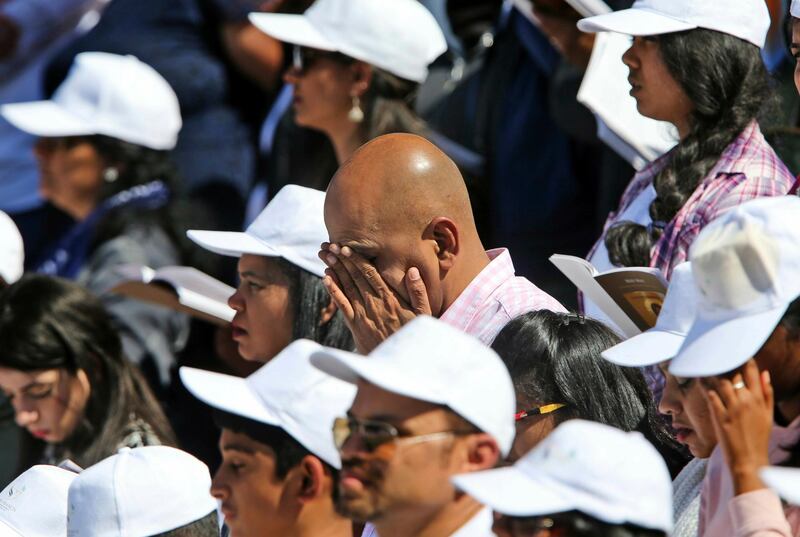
291 226
746 19
288 392
745 265
109 94
661 343
399 36
12 251
431 361
613 476
139 493
35 503
783 480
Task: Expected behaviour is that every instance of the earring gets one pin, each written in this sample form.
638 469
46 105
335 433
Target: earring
110 174
356 114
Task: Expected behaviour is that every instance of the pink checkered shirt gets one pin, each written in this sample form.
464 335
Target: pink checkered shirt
747 169
495 297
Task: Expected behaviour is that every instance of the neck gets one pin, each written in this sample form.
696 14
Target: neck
473 261
441 523
322 524
346 138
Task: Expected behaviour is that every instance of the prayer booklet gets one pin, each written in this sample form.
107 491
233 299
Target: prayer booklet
183 289
606 92
630 296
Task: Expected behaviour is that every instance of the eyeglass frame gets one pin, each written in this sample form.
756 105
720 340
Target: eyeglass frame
394 435
300 64
538 411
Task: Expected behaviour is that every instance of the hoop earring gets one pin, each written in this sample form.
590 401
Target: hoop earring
110 174
356 114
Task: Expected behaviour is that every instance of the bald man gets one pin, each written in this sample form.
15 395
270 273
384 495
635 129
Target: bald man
403 242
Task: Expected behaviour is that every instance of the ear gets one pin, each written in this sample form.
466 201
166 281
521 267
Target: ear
362 78
444 232
327 312
483 453
83 382
312 473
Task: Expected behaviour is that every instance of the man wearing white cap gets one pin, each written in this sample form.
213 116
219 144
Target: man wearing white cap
585 478
745 265
432 402
683 401
143 492
280 296
279 465
403 242
35 503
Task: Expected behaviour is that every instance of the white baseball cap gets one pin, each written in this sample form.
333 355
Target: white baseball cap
603 472
399 36
795 9
746 19
12 251
35 503
109 94
745 265
291 226
784 481
288 392
661 343
139 492
431 361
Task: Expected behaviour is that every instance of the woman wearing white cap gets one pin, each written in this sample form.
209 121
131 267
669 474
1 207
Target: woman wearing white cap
697 65
356 65
103 155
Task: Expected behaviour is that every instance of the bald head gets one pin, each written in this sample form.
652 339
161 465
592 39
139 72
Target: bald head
398 180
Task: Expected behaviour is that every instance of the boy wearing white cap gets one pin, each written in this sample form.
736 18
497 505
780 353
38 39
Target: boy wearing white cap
432 402
745 265
22 501
585 478
143 492
279 464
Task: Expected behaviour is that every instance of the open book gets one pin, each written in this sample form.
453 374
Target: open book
630 296
183 289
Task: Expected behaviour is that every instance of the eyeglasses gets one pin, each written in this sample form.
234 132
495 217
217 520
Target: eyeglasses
303 57
374 434
544 409
523 526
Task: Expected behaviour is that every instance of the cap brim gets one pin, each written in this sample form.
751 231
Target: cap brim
227 393
230 243
649 348
634 22
510 492
294 29
7 530
716 347
784 481
45 119
351 367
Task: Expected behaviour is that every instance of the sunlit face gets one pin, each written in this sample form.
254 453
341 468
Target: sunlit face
70 174
684 402
251 496
322 90
658 95
795 48
263 324
398 479
49 403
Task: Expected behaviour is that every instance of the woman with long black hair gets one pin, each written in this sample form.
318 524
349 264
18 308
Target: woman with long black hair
63 368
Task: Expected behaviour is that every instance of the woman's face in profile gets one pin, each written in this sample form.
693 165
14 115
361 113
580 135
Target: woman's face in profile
49 403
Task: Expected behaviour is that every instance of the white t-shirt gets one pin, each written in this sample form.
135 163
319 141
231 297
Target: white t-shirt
478 526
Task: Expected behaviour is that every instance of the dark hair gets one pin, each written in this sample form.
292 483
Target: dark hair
309 297
208 526
578 524
555 358
727 83
388 107
47 323
791 322
288 451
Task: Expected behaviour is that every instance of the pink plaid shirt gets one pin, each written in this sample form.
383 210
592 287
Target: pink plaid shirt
747 169
495 297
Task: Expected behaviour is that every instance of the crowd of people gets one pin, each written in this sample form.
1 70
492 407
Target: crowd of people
376 186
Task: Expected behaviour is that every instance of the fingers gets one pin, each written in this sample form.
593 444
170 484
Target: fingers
766 388
364 274
338 297
343 277
752 379
417 292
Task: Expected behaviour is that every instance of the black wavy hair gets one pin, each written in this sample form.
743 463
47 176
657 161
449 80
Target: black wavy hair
728 85
51 323
388 107
555 358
